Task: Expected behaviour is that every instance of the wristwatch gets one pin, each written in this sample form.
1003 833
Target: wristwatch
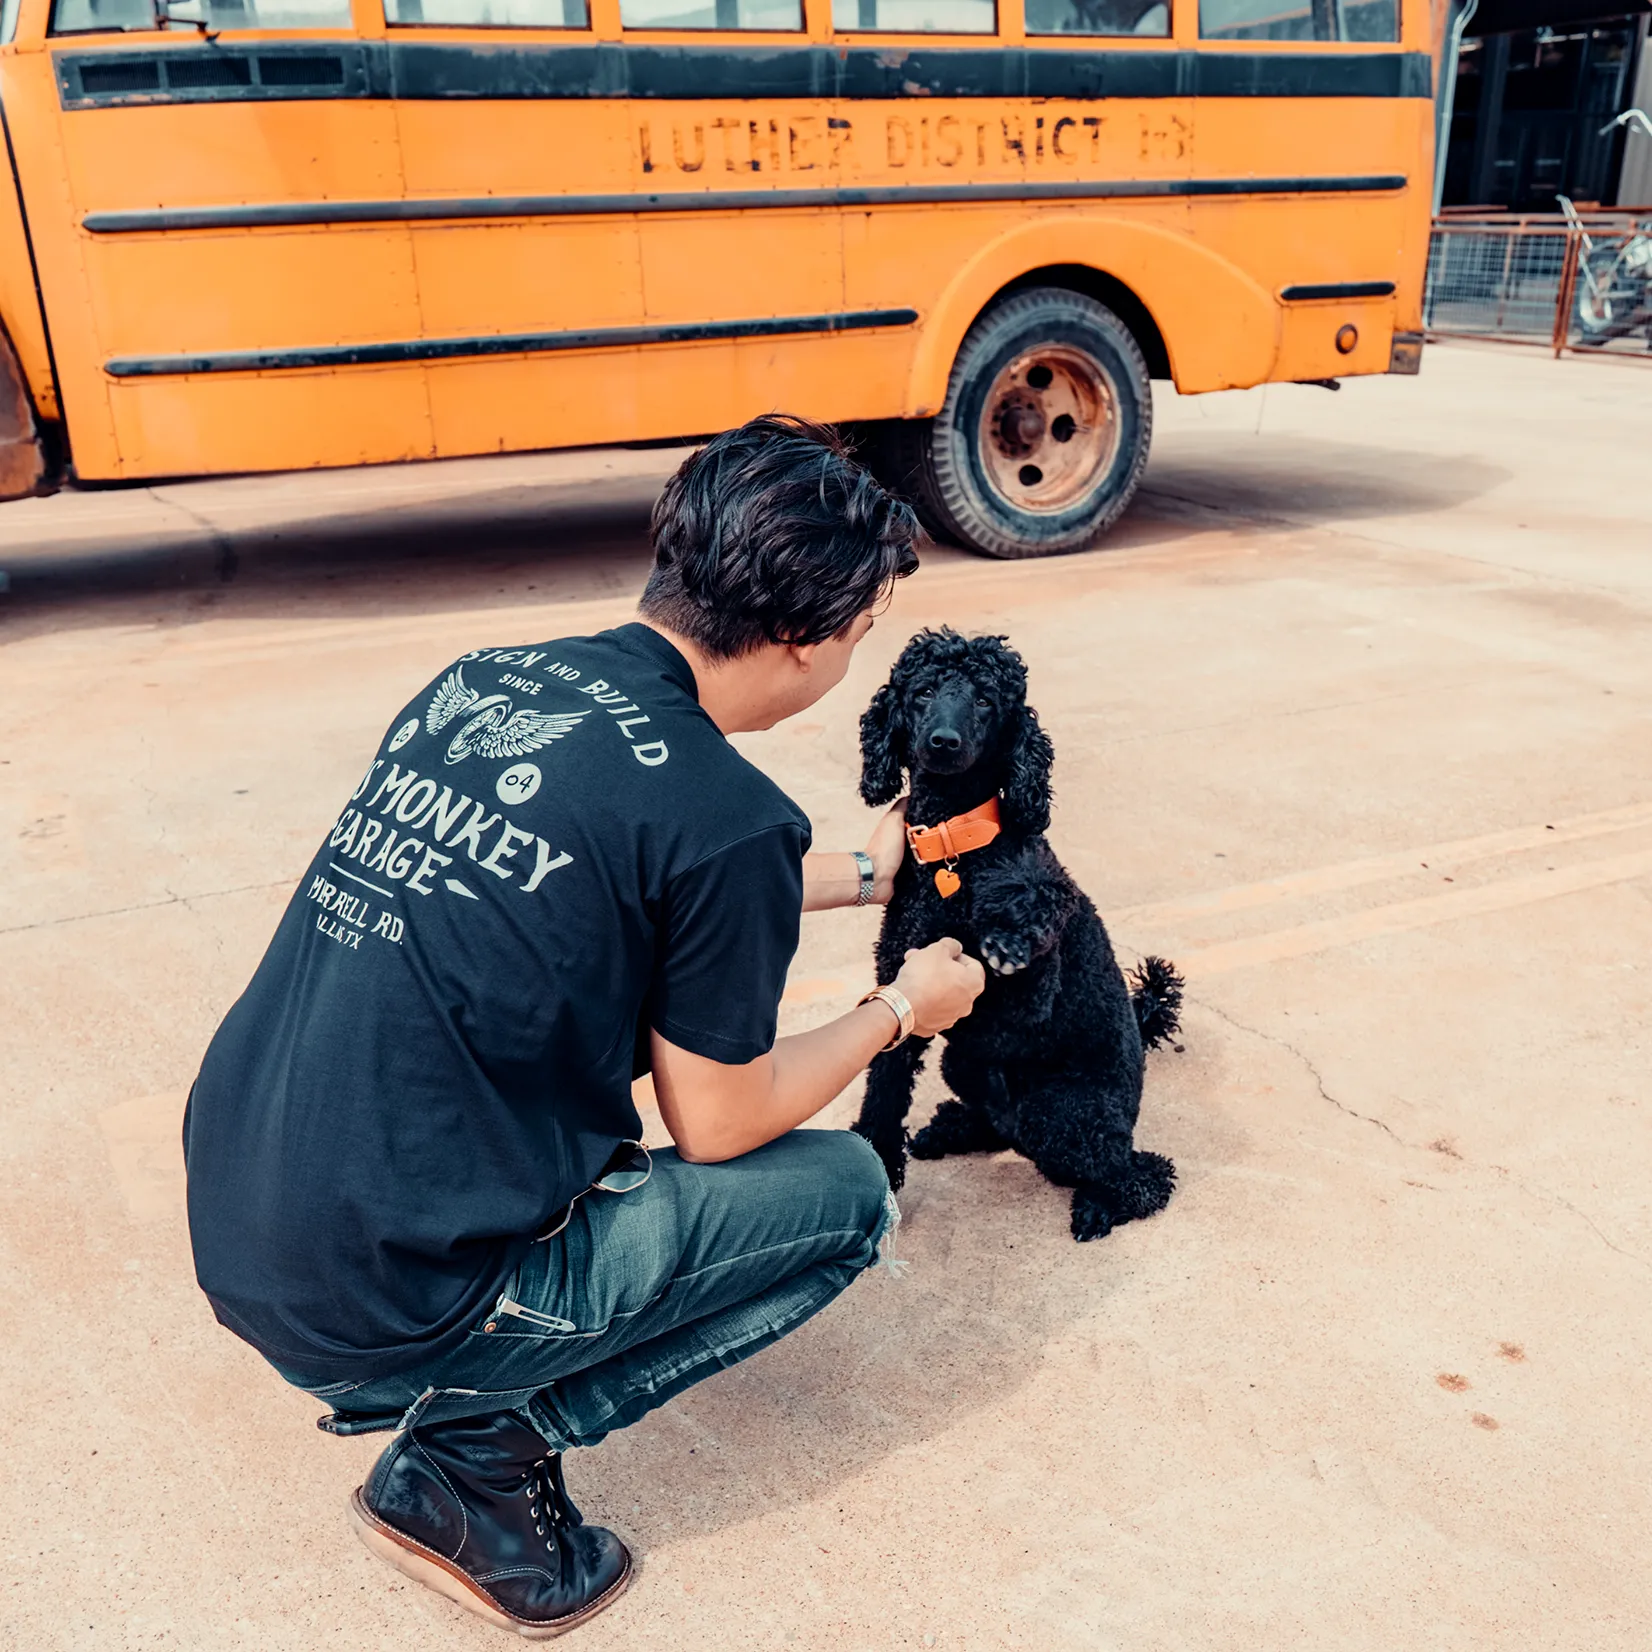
901 1005
868 877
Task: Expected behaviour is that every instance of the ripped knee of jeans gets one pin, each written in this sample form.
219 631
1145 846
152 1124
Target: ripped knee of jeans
883 1239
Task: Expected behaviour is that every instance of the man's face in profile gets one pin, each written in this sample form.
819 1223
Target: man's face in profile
830 662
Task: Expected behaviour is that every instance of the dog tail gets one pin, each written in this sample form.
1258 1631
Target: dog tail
1156 994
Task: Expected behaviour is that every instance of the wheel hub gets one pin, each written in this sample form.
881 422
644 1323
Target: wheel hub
1050 428
1020 425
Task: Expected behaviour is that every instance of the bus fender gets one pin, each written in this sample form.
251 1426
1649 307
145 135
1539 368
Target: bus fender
1221 330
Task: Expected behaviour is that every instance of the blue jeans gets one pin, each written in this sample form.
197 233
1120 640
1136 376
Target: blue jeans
645 1293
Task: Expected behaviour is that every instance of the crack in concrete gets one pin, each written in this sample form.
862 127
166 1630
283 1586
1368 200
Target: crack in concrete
1545 1197
1313 1072
1538 1193
227 560
146 906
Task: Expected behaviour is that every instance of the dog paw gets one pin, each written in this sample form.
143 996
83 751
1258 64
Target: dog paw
927 1144
1005 953
1147 1187
1093 1215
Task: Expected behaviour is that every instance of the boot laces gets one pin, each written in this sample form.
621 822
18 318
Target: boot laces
548 1499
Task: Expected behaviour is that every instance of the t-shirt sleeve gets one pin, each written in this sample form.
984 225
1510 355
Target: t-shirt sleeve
729 930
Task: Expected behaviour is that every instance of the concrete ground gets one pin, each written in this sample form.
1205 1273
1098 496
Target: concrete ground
1352 721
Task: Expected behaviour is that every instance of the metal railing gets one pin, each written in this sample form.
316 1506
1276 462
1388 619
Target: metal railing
1495 277
1577 279
1579 282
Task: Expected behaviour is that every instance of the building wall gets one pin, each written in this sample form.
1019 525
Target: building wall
1530 105
1635 180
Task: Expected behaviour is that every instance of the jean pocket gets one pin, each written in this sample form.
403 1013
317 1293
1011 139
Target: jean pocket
524 1307
509 1317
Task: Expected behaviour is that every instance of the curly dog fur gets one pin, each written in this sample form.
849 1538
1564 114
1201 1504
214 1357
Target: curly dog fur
1050 1062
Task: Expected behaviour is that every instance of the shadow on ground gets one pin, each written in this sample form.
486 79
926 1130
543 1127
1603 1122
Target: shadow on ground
993 1279
993 1283
552 540
1287 476
468 551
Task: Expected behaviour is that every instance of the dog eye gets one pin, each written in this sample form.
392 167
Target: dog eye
925 695
982 703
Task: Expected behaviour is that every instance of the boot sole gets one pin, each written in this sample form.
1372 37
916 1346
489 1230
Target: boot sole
425 1566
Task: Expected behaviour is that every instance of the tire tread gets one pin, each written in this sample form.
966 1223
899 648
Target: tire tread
926 462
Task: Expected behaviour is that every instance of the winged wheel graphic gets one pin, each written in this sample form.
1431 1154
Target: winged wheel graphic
489 727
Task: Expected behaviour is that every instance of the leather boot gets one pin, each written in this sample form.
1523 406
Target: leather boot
477 1510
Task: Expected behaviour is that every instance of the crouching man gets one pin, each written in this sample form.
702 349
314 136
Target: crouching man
416 1183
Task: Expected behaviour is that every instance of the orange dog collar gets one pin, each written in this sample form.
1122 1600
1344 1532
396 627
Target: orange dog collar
952 838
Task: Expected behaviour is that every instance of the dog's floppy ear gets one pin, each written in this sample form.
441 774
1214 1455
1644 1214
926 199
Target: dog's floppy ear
1026 791
881 769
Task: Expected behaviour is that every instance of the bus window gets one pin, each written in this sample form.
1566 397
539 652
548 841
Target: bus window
1144 17
915 16
88 16
486 14
1299 19
777 15
84 16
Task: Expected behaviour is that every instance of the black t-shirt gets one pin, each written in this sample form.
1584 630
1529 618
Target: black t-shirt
554 849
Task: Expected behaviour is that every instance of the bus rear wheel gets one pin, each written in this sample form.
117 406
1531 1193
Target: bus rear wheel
1043 437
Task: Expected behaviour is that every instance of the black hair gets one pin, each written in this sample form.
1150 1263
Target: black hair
771 533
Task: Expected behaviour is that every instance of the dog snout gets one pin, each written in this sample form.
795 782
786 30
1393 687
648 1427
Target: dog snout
945 739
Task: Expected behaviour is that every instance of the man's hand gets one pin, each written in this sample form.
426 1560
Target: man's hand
887 848
940 983
717 1112
834 879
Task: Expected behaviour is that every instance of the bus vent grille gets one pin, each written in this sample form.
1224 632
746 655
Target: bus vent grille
212 71
96 78
301 71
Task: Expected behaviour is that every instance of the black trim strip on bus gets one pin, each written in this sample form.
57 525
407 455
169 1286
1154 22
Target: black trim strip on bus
62 419
1337 289
215 72
288 214
499 344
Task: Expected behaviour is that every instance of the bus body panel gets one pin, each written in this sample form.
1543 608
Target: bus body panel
522 275
19 300
664 391
34 121
177 292
1208 209
1381 236
191 425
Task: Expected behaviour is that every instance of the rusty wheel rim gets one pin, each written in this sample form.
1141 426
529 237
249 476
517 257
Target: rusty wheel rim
1050 429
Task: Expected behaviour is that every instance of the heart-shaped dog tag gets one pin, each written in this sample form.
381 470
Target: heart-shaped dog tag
948 882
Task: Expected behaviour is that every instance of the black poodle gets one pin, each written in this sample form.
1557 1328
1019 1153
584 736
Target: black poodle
1050 1061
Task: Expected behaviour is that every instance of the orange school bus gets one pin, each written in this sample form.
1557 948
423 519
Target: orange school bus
251 235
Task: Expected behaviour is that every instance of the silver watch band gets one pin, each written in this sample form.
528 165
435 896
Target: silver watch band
868 877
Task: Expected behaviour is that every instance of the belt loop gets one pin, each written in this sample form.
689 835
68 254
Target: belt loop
417 1409
413 1412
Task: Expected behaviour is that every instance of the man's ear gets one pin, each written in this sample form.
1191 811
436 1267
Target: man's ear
1026 792
881 768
